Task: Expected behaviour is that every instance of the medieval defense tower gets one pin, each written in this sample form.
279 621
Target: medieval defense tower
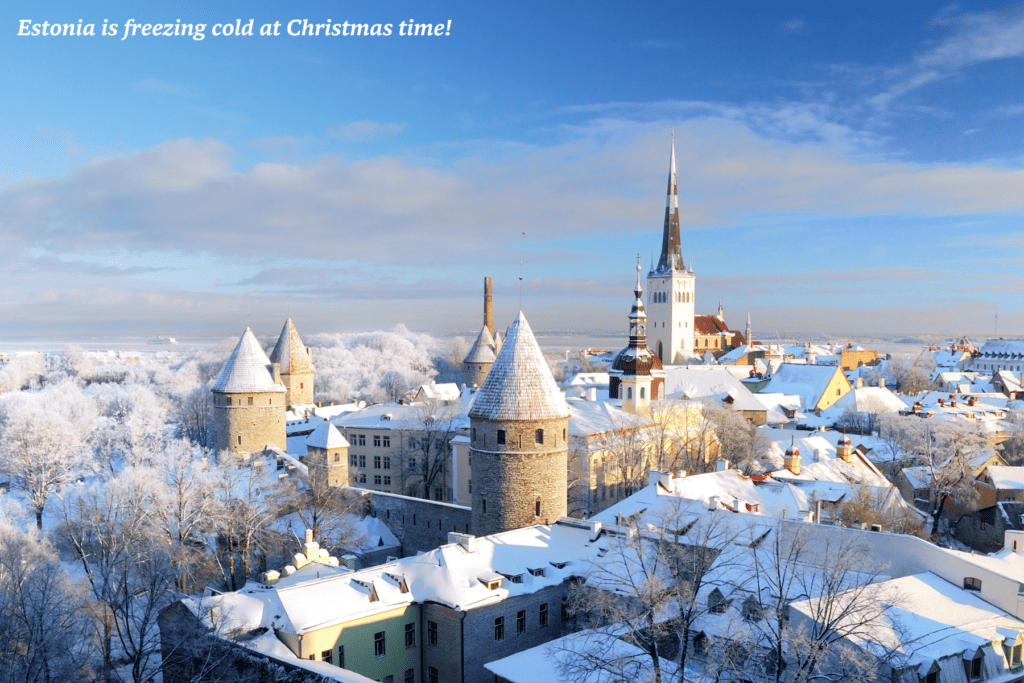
481 356
248 401
518 439
296 366
636 376
671 285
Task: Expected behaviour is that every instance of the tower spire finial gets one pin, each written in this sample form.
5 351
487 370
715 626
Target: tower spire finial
671 257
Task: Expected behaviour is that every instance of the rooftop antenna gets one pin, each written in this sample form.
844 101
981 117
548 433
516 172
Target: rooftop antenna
521 271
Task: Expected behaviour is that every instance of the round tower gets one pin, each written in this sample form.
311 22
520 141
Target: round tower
296 365
248 401
479 360
518 439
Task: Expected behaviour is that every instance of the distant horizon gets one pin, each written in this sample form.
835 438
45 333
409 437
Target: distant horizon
867 175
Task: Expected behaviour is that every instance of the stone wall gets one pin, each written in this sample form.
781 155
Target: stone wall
480 644
510 479
299 388
419 524
446 655
474 374
250 423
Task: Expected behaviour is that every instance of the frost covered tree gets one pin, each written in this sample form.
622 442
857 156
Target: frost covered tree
426 448
43 627
136 424
326 510
950 452
110 529
193 415
188 512
45 441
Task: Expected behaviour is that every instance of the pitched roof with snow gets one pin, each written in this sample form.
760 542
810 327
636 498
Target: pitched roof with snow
519 385
1004 477
325 436
290 352
247 370
710 382
483 348
806 381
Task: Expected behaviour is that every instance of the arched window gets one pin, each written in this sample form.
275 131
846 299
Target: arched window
642 393
629 392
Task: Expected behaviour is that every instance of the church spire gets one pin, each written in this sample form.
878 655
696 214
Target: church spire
671 256
748 335
637 316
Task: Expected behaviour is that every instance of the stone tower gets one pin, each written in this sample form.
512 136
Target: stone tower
671 285
636 375
518 439
296 366
481 356
327 454
248 401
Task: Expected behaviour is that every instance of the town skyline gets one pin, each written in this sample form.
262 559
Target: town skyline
847 170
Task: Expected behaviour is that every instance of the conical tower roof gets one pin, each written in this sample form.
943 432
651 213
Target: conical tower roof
290 352
519 385
248 370
483 348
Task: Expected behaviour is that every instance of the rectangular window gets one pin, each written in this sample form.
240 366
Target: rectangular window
542 615
540 436
387 442
229 400
361 479
431 633
376 462
520 622
410 676
469 482
1016 655
239 439
378 645
387 480
501 437
376 480
337 457
410 636
250 400
412 464
387 462
431 674
362 461
327 656
359 440
499 628
352 459
376 440
341 656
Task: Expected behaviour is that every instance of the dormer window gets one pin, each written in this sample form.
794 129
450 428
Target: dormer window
514 578
972 584
537 572
558 565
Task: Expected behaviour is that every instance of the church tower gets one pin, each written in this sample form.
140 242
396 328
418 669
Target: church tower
248 401
636 376
296 366
671 285
518 439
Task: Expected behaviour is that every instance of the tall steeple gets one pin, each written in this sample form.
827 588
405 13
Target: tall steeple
671 255
671 286
748 335
637 374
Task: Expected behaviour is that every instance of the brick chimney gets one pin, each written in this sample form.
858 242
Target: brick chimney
488 306
791 460
844 449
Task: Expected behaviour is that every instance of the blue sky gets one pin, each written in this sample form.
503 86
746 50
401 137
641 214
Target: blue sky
846 168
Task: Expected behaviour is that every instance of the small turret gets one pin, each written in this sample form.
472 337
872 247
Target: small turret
791 460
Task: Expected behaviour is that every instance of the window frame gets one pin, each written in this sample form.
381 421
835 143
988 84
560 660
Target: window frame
380 648
499 628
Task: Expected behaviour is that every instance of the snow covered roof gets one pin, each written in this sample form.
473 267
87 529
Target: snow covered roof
866 400
807 381
520 385
247 370
931 619
621 661
587 418
711 383
325 436
1006 477
483 348
448 391
290 352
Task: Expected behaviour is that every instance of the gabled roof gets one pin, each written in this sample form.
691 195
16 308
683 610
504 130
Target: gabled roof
247 370
483 348
519 385
710 324
806 381
290 352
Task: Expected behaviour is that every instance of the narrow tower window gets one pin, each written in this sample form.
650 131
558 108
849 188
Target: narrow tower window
501 437
540 436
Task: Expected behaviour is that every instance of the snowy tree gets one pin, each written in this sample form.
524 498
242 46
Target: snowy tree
44 442
326 510
739 439
950 451
187 510
426 448
43 629
193 415
136 424
110 530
